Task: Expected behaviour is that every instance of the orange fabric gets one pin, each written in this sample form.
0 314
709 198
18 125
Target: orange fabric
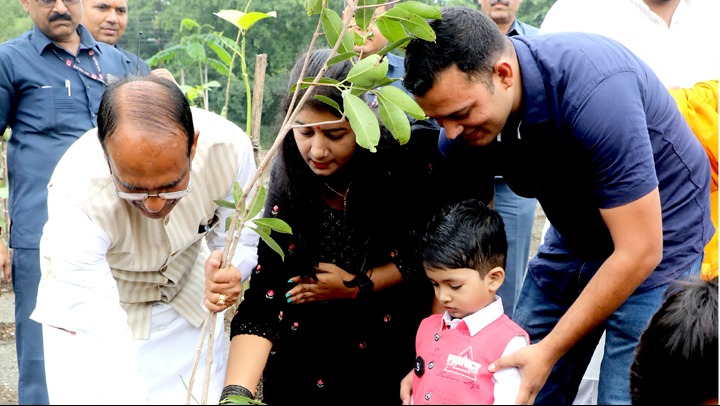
699 106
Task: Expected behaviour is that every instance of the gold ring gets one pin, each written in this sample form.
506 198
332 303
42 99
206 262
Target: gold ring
221 300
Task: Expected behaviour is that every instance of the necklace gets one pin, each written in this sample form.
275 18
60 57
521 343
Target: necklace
343 195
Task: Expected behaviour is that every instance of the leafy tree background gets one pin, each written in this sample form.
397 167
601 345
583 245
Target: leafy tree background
282 39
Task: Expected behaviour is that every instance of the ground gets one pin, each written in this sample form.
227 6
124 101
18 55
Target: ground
8 383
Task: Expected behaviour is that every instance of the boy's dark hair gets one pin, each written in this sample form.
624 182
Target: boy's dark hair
467 234
464 37
676 361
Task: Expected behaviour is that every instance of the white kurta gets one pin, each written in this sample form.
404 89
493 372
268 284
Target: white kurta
92 353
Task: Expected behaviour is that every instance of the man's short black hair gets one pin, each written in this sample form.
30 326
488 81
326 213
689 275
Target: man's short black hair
465 37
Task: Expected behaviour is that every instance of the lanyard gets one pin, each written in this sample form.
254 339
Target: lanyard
69 62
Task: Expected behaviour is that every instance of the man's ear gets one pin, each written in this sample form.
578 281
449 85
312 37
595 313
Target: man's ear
495 278
194 146
504 70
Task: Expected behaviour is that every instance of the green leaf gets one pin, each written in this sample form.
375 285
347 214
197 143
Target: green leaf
239 400
195 51
390 28
307 82
237 193
421 9
384 82
341 57
224 55
225 203
313 7
417 26
211 84
269 241
363 16
165 55
231 16
277 225
188 24
392 94
249 19
185 88
363 121
368 70
228 221
395 119
397 44
358 39
413 23
329 101
359 90
397 14
332 26
258 202
219 67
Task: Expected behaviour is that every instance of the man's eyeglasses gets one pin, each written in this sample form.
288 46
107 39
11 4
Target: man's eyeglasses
135 197
51 3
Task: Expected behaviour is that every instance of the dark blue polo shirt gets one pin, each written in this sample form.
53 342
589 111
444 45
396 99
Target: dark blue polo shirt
597 129
48 105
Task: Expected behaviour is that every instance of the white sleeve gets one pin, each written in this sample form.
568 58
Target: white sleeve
245 256
78 293
507 381
563 16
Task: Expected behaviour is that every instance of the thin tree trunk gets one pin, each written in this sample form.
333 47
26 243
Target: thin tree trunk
257 102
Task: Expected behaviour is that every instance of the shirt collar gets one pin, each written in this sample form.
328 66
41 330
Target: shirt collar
520 28
535 107
478 320
40 41
515 29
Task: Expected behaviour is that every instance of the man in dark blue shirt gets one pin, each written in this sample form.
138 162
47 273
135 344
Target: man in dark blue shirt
51 82
583 125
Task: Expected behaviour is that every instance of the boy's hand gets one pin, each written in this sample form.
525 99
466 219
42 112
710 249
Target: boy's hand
406 388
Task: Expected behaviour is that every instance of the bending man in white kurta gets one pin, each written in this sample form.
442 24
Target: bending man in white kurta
126 249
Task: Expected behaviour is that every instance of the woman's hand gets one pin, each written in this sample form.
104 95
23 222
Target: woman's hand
329 285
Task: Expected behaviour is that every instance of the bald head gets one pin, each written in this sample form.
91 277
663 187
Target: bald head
154 104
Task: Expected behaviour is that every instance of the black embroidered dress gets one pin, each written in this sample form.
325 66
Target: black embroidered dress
343 350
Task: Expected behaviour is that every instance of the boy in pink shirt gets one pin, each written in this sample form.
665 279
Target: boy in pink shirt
464 251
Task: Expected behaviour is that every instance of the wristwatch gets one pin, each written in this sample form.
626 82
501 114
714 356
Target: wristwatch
364 285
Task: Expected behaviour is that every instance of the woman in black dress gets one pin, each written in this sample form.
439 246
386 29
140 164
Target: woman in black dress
335 322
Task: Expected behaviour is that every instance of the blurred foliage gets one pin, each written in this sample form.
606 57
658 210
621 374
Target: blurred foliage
155 25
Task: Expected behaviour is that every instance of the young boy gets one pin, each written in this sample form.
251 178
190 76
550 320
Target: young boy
464 251
676 361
